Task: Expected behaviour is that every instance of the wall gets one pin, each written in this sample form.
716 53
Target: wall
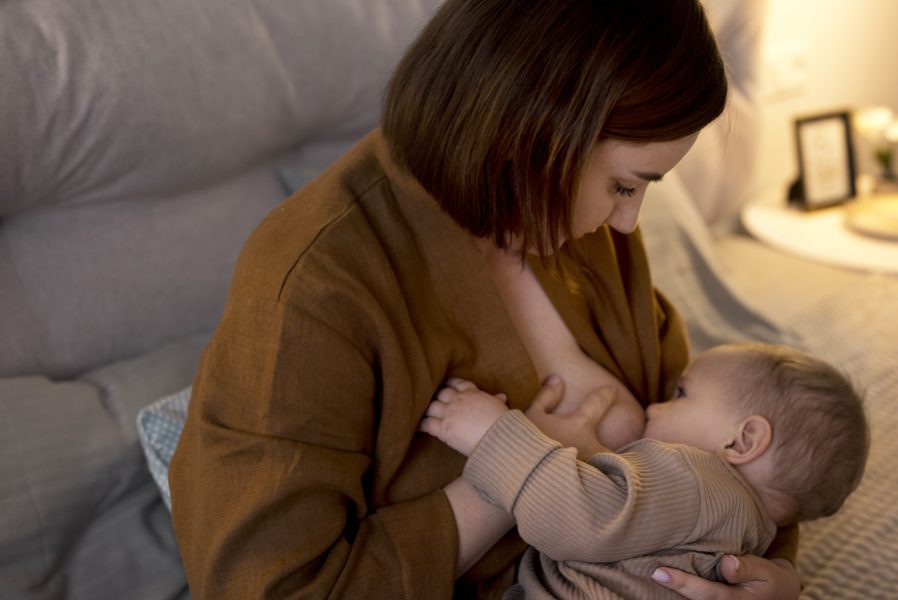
843 54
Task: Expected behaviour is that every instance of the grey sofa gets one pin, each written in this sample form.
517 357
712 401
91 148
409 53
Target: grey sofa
140 142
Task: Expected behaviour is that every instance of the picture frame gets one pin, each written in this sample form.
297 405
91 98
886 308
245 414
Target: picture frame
826 161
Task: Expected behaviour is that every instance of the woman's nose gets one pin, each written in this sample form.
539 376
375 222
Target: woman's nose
625 215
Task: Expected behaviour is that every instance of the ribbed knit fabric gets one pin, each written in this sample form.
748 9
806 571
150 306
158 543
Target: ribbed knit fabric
601 527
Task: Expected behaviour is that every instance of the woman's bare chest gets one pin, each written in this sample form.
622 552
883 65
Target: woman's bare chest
551 345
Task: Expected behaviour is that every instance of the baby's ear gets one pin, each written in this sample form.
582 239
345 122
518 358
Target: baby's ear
751 438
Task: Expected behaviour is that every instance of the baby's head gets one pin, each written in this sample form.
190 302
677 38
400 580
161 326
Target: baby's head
791 423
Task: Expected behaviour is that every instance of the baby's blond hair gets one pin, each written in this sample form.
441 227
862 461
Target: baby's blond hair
820 432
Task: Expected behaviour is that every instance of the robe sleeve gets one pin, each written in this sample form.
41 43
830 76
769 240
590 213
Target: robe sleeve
270 481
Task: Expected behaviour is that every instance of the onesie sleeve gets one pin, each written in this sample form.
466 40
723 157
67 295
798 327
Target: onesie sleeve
613 507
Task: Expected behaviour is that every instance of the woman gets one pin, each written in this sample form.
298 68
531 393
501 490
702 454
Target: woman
518 140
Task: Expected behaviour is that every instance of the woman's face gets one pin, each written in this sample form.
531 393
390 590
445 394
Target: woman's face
615 179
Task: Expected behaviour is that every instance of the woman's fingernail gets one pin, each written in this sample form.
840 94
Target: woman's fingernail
735 561
553 380
661 576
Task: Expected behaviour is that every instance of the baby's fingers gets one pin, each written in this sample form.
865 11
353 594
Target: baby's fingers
432 422
431 425
460 385
436 410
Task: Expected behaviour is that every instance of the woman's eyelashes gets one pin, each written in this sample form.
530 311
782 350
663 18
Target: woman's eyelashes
622 190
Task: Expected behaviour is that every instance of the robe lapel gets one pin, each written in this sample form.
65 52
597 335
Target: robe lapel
486 346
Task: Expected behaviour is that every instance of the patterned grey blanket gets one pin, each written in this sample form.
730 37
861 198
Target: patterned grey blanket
853 554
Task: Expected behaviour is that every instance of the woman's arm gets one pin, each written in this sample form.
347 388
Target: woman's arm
480 524
274 479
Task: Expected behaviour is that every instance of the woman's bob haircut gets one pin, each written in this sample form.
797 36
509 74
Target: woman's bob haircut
496 106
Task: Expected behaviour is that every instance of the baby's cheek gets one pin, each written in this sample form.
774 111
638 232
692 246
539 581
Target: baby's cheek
623 423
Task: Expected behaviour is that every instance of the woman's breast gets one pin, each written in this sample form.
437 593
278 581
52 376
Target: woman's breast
554 351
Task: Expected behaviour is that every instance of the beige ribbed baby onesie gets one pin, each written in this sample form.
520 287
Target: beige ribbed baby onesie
598 529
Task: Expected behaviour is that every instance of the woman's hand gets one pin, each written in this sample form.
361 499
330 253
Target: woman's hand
624 421
576 429
461 414
751 577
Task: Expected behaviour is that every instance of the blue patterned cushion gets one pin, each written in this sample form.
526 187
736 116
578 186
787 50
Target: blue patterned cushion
159 426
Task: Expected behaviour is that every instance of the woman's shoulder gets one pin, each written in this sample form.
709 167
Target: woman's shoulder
301 218
321 227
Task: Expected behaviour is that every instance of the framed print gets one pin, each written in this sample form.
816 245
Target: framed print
825 159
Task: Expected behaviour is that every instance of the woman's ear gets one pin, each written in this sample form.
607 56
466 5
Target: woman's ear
752 436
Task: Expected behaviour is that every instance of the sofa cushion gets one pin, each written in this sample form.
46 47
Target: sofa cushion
94 283
141 144
77 505
103 100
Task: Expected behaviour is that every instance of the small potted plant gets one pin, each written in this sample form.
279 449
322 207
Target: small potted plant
878 129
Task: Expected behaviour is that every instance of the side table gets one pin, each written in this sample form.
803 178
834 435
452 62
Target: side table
820 235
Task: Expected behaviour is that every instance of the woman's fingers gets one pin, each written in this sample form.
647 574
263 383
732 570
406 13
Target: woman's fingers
752 576
597 403
549 395
689 586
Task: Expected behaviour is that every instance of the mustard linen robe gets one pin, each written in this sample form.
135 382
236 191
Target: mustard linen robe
300 471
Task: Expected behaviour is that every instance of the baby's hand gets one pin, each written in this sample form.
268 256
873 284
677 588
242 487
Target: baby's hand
462 414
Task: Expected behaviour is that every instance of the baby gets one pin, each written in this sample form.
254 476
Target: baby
756 436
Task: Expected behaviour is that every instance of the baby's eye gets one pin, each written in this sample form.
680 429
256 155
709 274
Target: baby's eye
622 190
680 392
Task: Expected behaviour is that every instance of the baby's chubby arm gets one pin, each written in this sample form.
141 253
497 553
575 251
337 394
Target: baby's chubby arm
461 414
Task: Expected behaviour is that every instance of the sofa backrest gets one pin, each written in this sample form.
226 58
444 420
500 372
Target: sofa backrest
140 142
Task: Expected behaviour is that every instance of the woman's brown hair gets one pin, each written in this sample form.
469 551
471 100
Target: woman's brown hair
496 106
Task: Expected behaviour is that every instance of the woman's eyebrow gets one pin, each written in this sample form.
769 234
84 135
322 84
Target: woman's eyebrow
648 176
